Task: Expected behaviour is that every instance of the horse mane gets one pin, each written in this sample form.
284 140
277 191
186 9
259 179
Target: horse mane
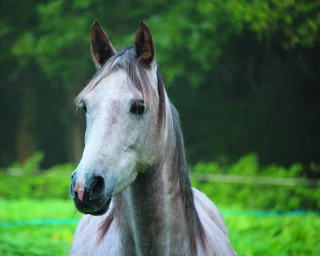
126 59
179 164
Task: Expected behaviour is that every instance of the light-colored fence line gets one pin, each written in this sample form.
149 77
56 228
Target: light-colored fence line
216 178
223 178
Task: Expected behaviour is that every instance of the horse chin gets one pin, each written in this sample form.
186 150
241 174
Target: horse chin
103 209
92 210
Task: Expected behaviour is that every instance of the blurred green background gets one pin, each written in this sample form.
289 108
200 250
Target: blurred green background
244 76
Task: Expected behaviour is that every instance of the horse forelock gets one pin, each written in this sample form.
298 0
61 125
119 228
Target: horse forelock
136 71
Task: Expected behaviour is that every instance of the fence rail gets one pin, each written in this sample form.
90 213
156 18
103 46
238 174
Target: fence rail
223 178
217 178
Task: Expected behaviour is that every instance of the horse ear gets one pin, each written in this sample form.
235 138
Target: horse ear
101 47
143 45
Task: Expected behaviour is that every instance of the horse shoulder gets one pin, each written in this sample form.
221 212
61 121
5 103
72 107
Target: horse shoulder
203 203
214 226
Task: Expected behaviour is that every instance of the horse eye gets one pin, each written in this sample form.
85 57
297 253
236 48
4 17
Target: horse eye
137 107
84 107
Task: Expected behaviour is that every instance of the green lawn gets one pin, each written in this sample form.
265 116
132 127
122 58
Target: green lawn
273 235
39 240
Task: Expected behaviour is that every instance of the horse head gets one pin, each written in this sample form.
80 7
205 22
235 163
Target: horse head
121 104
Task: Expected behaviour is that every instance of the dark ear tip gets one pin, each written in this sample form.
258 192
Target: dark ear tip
95 24
142 24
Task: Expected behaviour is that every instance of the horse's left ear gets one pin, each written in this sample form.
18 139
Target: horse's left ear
101 47
143 45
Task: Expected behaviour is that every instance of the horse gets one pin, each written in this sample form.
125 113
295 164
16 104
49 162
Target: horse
132 182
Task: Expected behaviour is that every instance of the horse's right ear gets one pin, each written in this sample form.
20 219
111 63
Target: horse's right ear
101 47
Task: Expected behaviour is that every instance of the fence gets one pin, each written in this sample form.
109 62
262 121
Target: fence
201 177
204 177
220 178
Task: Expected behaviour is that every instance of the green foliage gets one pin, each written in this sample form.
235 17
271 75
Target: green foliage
296 24
257 196
32 241
61 169
50 184
35 240
31 165
63 32
208 24
233 65
276 235
205 28
34 186
33 209
283 235
59 34
54 184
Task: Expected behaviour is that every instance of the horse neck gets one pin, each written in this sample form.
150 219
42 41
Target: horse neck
152 216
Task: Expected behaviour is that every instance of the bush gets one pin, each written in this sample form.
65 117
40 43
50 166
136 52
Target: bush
50 184
256 196
276 235
36 187
54 184
31 165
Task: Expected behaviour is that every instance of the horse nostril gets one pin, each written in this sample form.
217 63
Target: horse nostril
73 180
97 187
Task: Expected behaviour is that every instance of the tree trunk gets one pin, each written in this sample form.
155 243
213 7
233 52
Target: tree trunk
26 143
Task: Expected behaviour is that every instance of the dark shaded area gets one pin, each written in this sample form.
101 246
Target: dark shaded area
240 84
260 99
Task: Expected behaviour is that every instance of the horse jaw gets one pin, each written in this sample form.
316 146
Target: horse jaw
125 183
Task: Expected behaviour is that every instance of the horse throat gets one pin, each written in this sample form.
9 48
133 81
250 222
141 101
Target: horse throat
157 214
148 209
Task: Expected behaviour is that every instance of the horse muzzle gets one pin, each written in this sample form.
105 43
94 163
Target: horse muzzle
88 194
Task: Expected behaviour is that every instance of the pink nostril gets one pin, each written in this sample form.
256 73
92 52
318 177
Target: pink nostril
79 187
79 191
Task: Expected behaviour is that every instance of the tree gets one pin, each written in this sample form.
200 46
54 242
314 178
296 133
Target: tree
237 70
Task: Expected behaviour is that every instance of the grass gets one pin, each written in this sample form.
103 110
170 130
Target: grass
36 240
275 235
249 235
